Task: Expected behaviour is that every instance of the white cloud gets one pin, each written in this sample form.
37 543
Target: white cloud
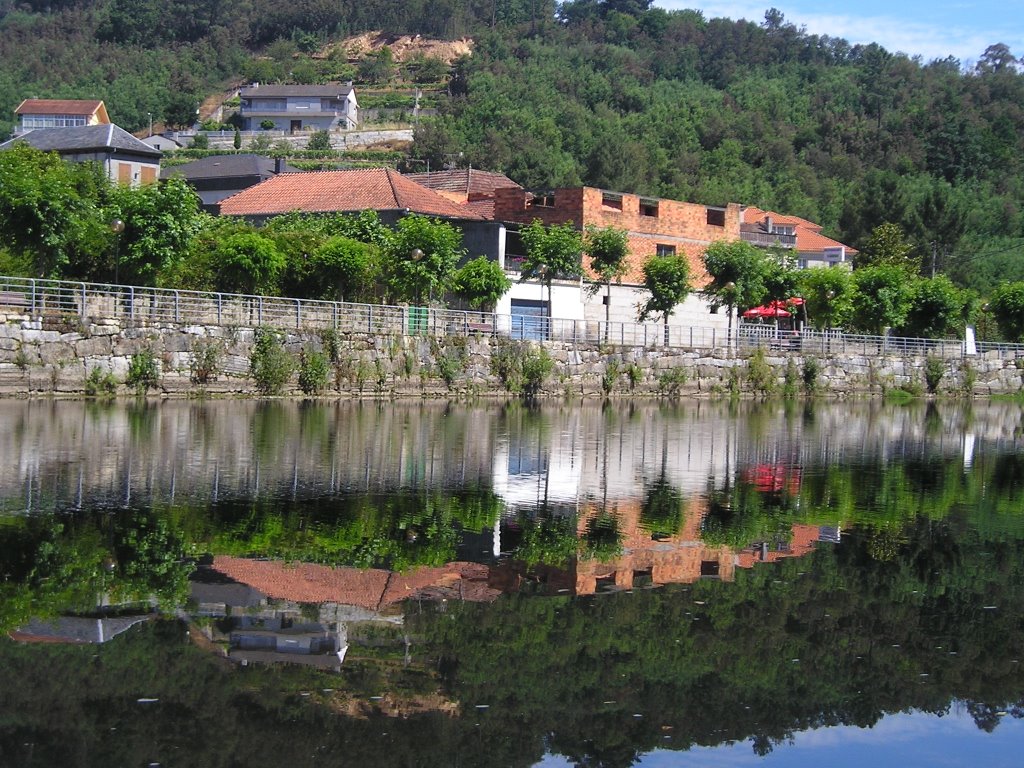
909 34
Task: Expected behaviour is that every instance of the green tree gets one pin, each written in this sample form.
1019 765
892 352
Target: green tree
887 246
160 221
882 299
738 274
341 268
828 293
1007 305
237 140
667 280
608 249
248 262
938 309
554 251
481 282
47 207
420 257
320 141
377 67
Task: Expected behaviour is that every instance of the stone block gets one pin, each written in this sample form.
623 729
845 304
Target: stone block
93 346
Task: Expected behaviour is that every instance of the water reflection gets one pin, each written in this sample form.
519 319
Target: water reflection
594 582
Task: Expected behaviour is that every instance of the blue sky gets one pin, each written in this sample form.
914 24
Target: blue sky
931 30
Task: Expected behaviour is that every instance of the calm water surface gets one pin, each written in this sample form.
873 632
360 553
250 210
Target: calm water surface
266 584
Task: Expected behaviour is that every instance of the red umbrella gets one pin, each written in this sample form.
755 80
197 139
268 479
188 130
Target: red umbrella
775 309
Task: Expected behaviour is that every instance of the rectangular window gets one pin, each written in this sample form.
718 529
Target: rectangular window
649 208
716 217
665 250
611 202
541 200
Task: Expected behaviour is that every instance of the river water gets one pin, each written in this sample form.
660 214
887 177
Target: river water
242 583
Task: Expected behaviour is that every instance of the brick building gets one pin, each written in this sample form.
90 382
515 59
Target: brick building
654 226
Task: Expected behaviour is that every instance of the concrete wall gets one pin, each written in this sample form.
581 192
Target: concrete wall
55 356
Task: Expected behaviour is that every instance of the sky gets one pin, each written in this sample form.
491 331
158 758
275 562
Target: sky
906 740
931 29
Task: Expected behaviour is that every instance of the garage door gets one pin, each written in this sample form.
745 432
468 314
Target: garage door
529 319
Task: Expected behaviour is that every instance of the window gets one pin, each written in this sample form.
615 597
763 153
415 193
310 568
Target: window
649 208
541 200
783 229
716 217
51 121
664 250
611 202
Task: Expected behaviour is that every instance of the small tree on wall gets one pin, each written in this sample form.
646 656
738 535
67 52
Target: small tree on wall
551 251
667 280
420 257
607 249
481 282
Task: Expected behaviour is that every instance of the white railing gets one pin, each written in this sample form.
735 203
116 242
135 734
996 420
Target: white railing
64 301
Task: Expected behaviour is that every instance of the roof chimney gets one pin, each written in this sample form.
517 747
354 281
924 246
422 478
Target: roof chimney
278 164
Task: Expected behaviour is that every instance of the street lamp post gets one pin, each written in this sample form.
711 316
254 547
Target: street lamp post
117 227
829 295
730 288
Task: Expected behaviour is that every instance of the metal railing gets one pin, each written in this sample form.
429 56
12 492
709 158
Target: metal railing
141 307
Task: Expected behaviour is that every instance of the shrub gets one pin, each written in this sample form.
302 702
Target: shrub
537 366
507 363
671 381
760 374
320 141
100 383
635 374
968 377
205 361
331 345
201 141
451 362
611 374
270 364
313 372
791 379
811 371
267 125
143 372
934 370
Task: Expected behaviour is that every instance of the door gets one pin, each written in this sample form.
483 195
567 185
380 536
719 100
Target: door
529 319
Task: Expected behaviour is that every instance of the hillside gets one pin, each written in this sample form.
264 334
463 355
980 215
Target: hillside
612 94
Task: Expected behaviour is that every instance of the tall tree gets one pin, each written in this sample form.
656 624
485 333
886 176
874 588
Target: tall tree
555 251
667 282
608 249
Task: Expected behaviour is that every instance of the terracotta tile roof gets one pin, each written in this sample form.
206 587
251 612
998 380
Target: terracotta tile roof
808 234
378 189
469 182
371 589
59 107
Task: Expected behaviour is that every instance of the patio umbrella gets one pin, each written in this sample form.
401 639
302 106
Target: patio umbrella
775 309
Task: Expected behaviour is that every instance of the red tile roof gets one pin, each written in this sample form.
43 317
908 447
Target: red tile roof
468 182
377 189
371 589
808 234
60 107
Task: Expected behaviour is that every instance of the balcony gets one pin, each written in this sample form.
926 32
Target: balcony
768 239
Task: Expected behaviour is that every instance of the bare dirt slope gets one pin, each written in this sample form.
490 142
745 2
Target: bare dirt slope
403 47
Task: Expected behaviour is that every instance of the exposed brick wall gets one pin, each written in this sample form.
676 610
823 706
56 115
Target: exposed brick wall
681 225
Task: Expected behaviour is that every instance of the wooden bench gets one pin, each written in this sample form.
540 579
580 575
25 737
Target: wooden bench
13 300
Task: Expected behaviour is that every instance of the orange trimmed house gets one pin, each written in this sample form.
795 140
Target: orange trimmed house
768 229
59 113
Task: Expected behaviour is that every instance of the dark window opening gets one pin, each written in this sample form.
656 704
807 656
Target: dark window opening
709 567
716 217
611 202
543 200
665 250
649 208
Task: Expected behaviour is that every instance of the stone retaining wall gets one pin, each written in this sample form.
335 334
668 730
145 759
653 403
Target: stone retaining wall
41 357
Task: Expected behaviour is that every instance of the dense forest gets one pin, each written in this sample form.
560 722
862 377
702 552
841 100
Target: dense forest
614 94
